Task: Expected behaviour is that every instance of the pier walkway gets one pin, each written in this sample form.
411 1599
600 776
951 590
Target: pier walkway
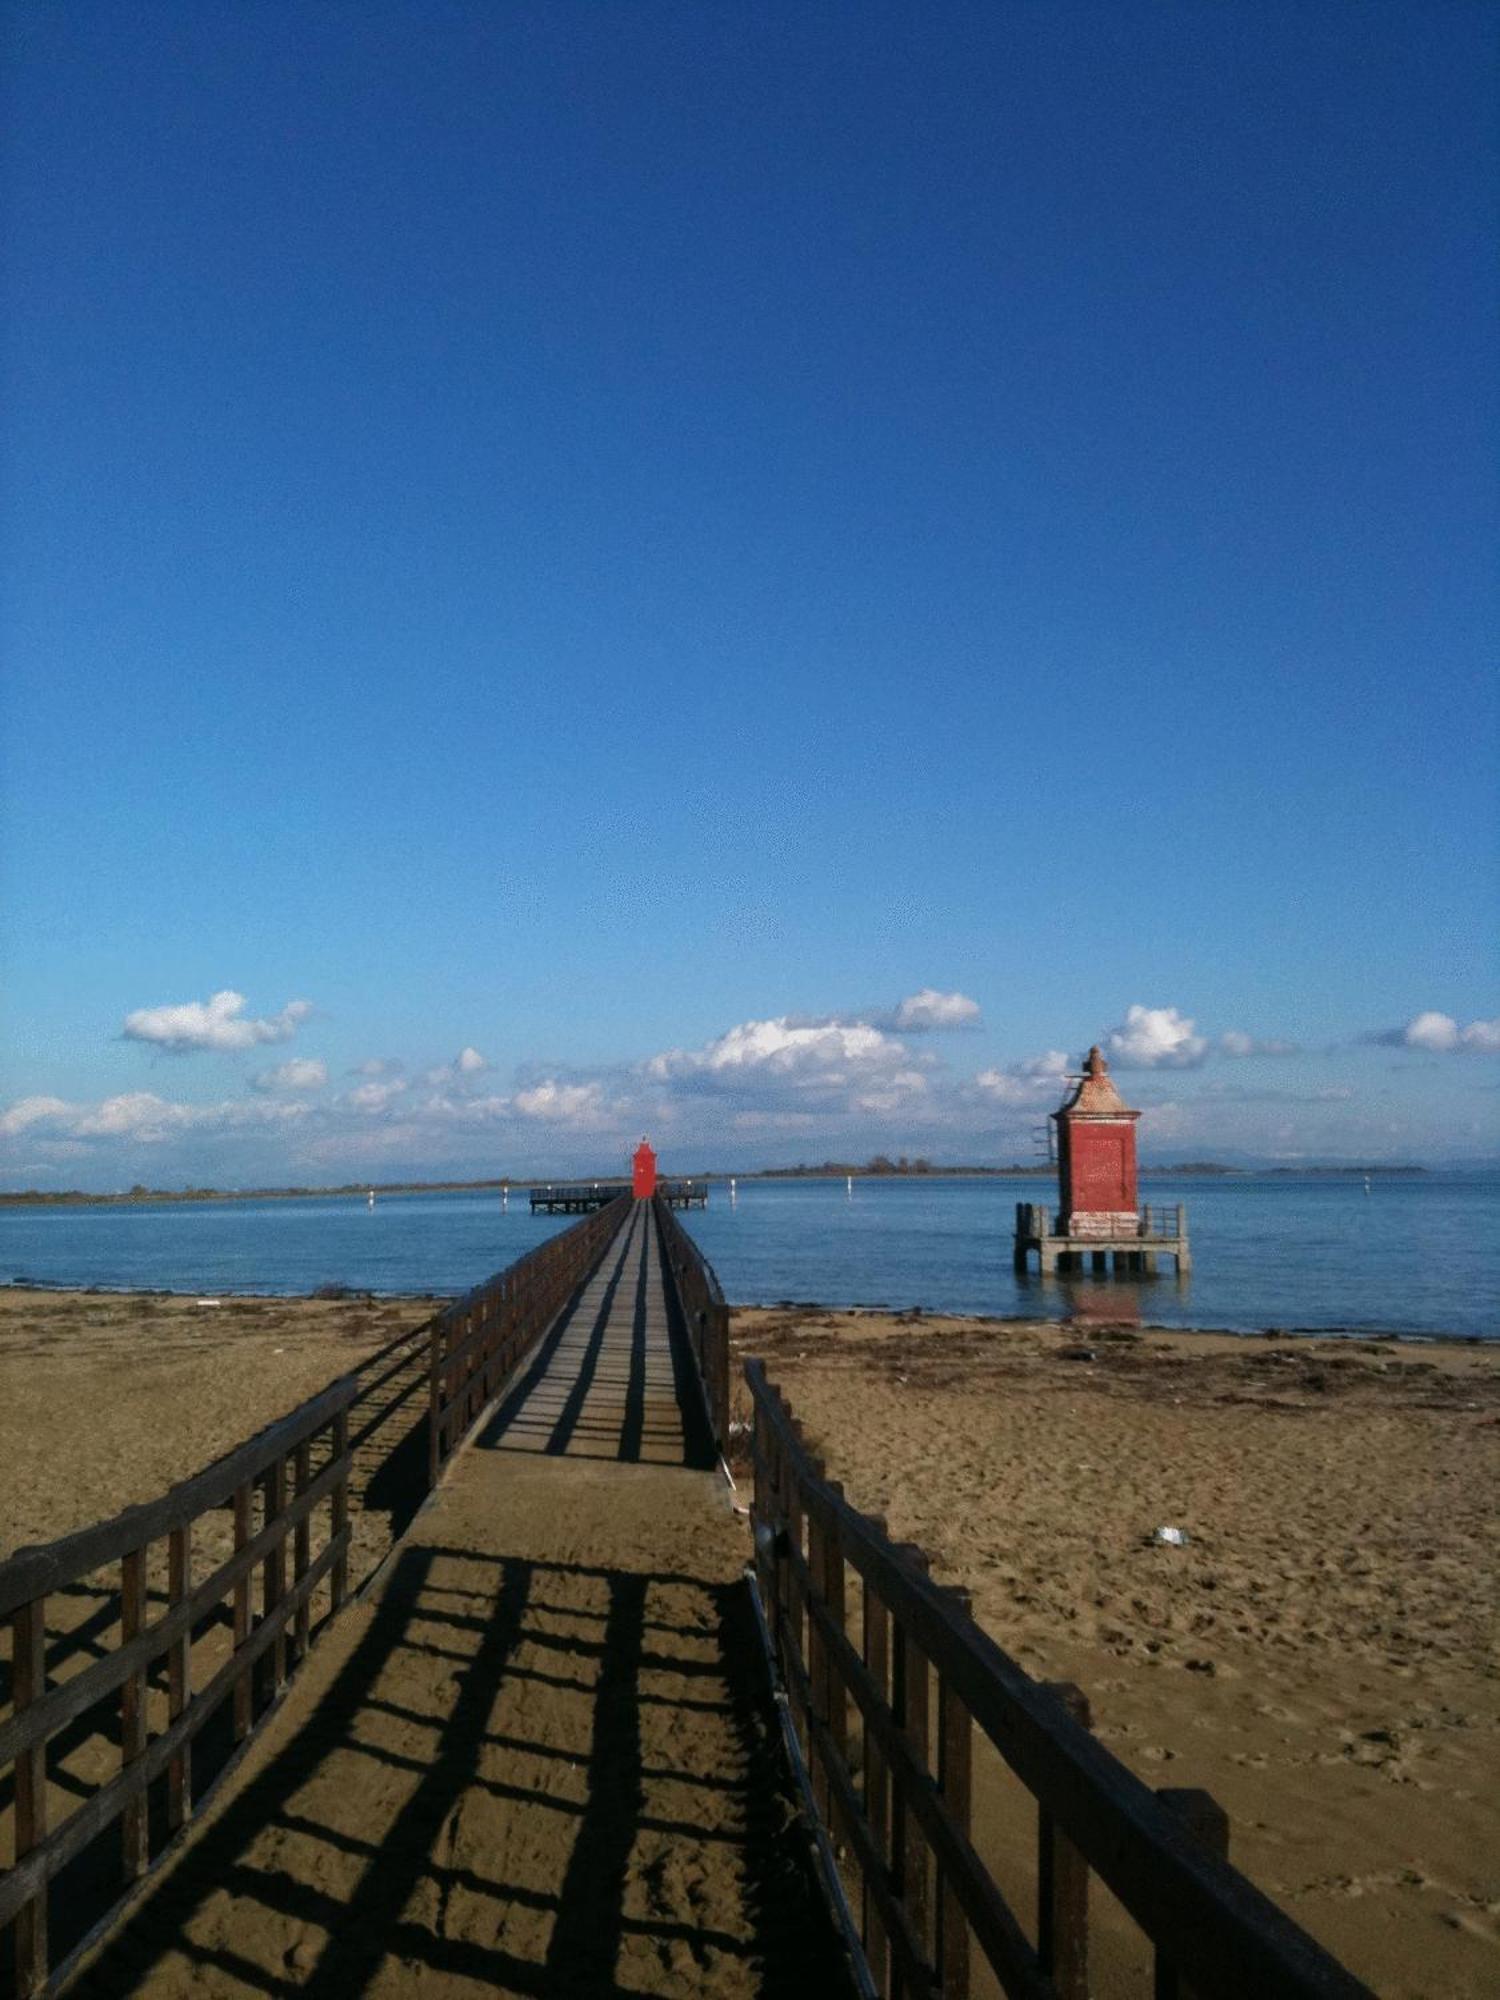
537 1759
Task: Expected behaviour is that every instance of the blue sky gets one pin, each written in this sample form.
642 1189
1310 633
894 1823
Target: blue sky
633 541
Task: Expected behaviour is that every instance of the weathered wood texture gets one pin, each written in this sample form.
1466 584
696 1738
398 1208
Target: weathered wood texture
476 1344
705 1315
918 1675
314 1435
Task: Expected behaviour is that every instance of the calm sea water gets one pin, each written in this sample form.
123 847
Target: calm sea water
1419 1254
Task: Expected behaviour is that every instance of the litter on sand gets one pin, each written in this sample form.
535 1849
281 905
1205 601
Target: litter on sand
1172 1538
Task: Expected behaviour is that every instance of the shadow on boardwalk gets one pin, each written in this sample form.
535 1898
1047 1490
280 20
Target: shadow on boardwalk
605 1731
541 1760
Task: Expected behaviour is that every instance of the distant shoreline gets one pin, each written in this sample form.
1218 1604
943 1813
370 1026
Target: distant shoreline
142 1197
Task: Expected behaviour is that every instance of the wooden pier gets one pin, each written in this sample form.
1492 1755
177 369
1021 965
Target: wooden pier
1159 1232
584 1197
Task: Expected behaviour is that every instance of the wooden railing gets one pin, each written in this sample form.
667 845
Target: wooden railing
908 1672
705 1314
475 1344
285 1489
1162 1220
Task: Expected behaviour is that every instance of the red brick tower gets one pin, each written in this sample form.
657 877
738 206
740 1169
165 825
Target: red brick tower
1096 1157
644 1165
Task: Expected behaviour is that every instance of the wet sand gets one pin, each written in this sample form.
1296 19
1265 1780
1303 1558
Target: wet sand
1320 1655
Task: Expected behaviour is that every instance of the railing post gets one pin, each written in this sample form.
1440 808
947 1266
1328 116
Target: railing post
244 1693
1063 1885
877 1654
1208 1823
339 1574
954 1775
435 1405
831 1586
135 1838
179 1676
910 1708
273 1568
301 1555
28 1684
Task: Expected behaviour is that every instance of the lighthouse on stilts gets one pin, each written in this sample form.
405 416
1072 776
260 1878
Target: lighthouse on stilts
1099 1215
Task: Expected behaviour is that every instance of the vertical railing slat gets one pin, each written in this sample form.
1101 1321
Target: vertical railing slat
1063 1886
135 1843
301 1555
28 1684
179 1676
338 1587
244 1692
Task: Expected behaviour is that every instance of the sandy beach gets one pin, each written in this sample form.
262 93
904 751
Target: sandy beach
1320 1654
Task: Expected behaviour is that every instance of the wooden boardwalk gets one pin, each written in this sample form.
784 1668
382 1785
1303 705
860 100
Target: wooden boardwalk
537 1760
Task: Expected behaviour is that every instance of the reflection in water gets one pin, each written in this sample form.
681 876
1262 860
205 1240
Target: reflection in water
1090 1301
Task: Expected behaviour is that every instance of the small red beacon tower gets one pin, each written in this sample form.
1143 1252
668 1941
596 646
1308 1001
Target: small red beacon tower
1100 1215
1096 1157
644 1175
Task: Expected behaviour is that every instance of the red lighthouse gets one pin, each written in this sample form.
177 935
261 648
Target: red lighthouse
1096 1157
643 1164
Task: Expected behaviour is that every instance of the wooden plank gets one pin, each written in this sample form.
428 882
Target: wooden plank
244 1693
273 1569
180 1674
955 1782
1208 1823
301 1552
911 1709
37 1572
338 1587
1062 1922
135 1837
876 1634
28 1683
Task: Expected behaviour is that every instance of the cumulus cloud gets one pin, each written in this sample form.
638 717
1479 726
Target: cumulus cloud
374 1097
1440 1034
219 1022
301 1073
141 1116
555 1103
1155 1038
29 1111
1035 1080
470 1062
1233 1042
378 1066
836 1063
929 1009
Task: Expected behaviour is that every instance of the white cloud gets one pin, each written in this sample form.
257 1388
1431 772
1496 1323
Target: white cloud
378 1066
301 1073
470 1062
28 1111
555 1103
374 1097
1234 1042
1440 1034
931 1009
216 1023
141 1116
1155 1038
1035 1081
789 1062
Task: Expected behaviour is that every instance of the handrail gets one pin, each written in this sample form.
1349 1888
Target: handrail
476 1343
705 1313
927 1670
277 1467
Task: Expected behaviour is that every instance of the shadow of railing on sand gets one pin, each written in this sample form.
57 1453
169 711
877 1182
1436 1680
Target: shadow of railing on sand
604 1733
